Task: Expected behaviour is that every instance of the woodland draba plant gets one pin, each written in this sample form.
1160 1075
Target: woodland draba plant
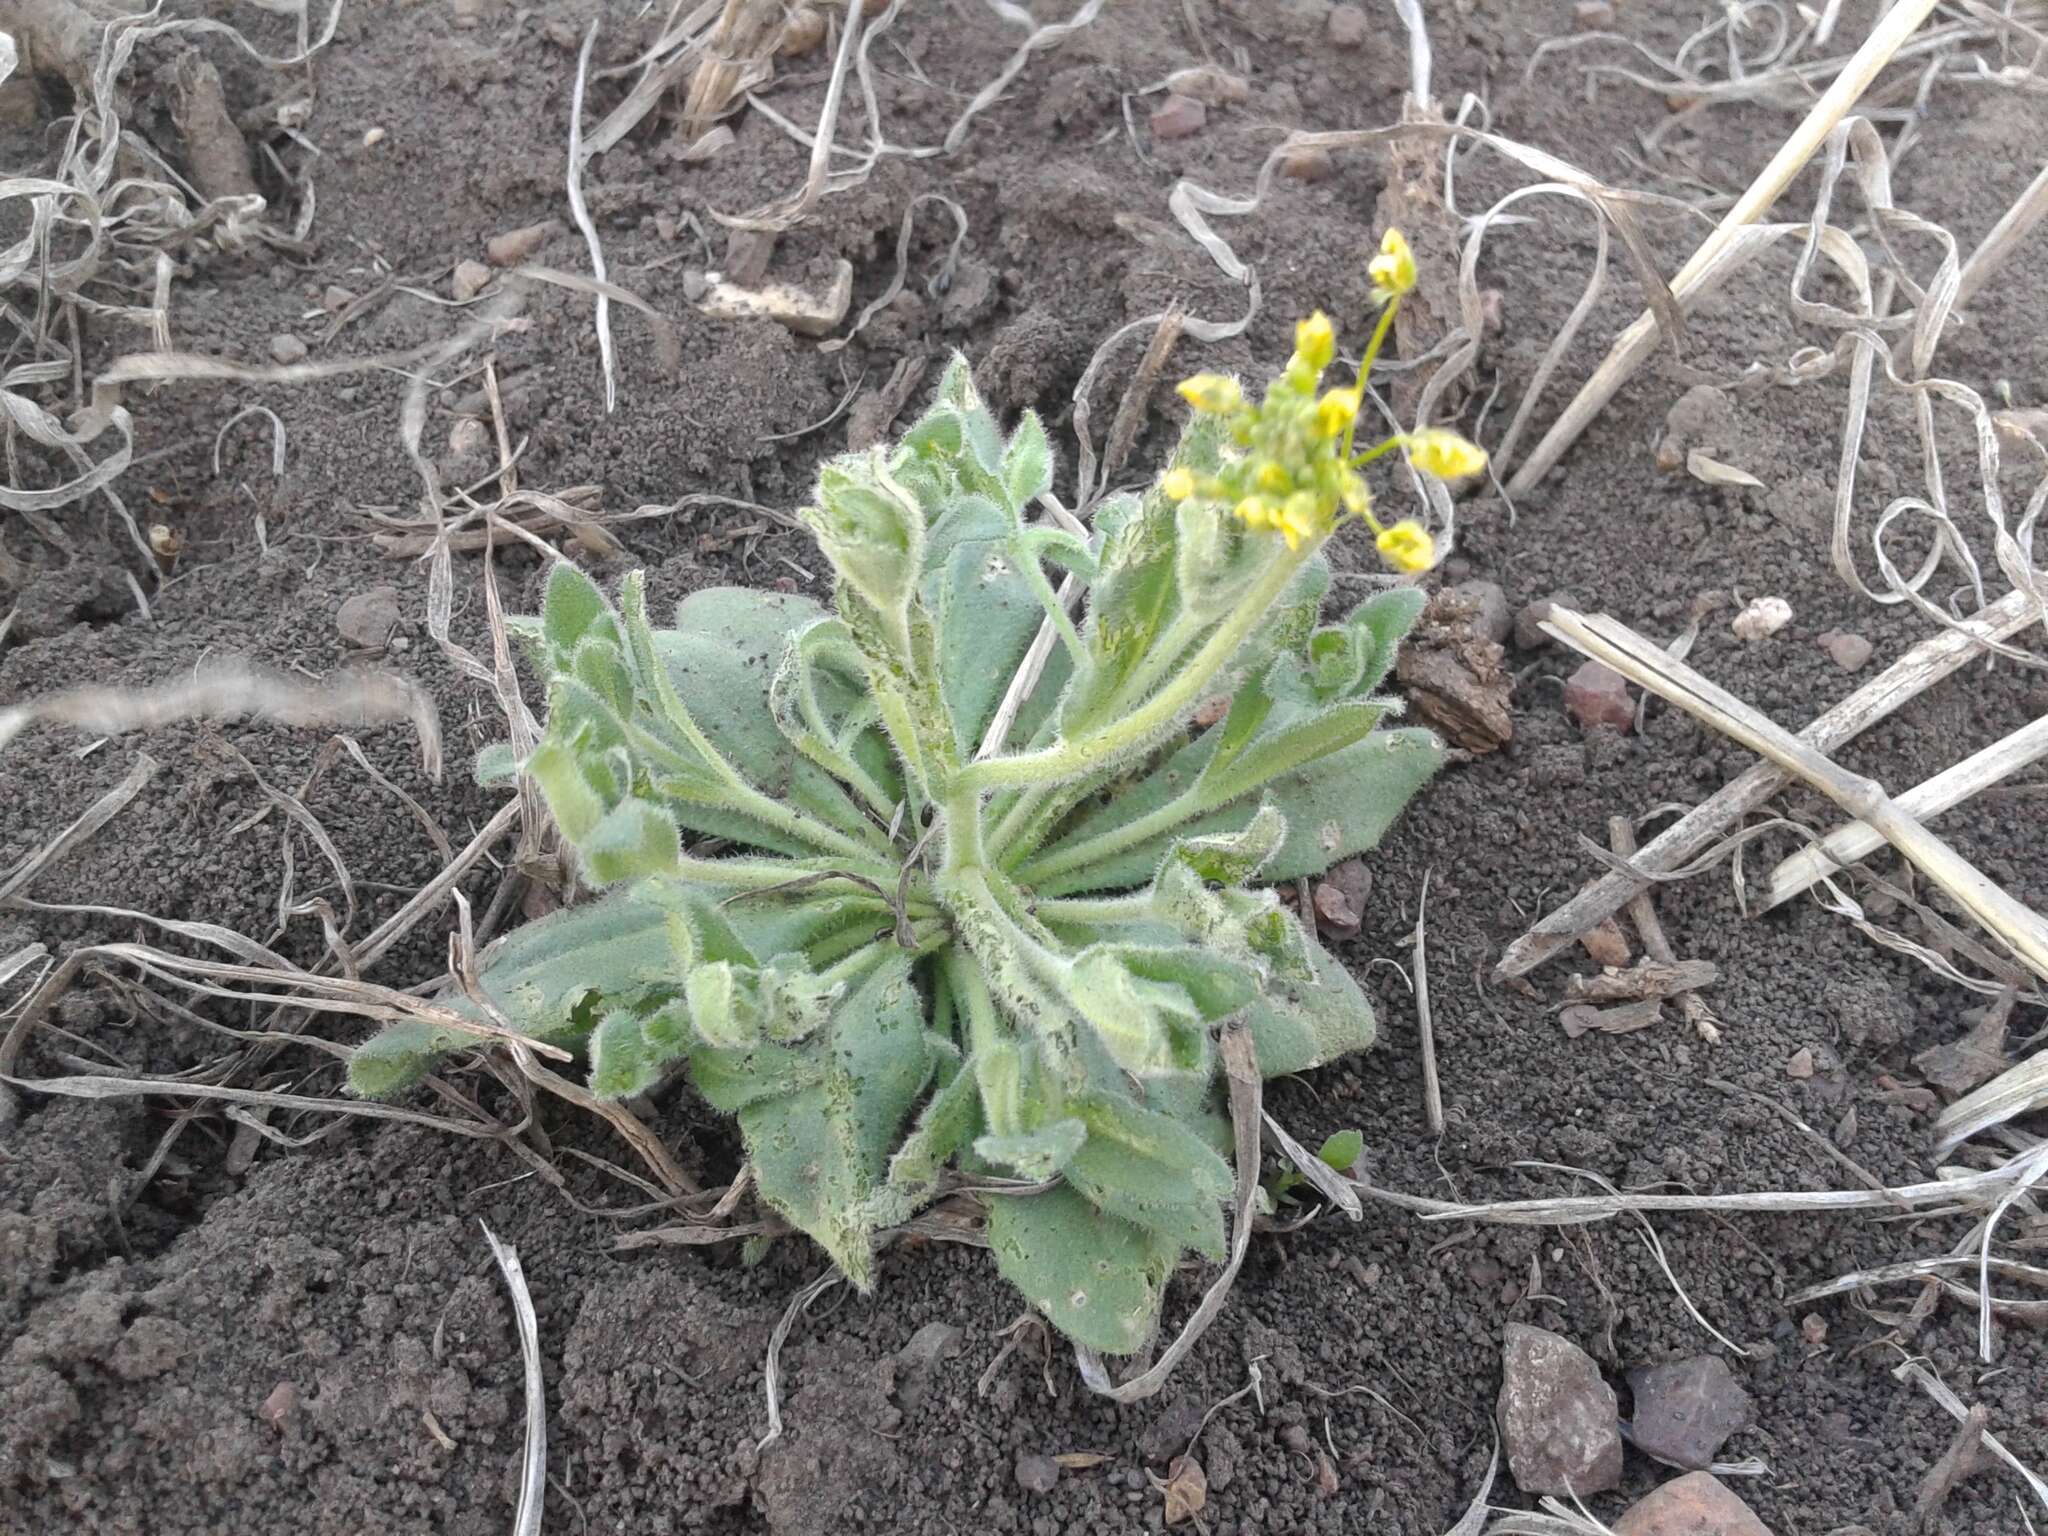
1014 962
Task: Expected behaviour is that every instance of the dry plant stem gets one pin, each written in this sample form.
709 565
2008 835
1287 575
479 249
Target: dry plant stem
1934 1387
1956 1463
1425 1023
533 1461
2012 227
1643 913
1032 667
1947 789
581 214
771 218
96 815
1607 640
1965 1190
1637 342
1926 664
2014 1092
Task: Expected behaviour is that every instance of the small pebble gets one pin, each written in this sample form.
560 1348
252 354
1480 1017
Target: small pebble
336 298
1814 1329
372 137
1605 945
1697 1504
1847 651
1596 694
1178 117
287 349
1685 1410
1801 1064
1593 15
368 618
1557 1418
1307 163
279 1406
468 279
515 245
804 30
1764 617
1211 86
1035 1473
1348 26
1529 622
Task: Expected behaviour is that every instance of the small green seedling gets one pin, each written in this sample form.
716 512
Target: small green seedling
920 930
1340 1152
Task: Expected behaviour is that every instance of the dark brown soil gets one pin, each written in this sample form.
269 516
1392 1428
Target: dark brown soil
259 1352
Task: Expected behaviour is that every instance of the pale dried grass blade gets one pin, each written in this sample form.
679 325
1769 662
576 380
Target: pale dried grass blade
1936 1388
230 691
1241 1068
771 1369
1326 1180
1637 342
1042 37
1949 788
1606 640
773 217
1926 664
2014 1092
533 1456
95 816
580 212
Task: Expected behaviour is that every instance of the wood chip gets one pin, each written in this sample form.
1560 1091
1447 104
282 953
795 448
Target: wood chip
1644 979
1629 1017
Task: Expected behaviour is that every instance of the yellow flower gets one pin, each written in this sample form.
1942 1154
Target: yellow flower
1272 477
1336 411
1257 512
1300 518
1356 498
1177 484
1211 392
1393 270
1444 453
1407 546
1315 341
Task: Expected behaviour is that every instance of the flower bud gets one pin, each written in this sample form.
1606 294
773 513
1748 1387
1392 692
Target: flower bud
1212 392
1315 341
1407 546
1444 453
1393 270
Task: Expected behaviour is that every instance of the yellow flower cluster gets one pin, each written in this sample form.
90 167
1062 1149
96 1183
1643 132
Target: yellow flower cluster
1293 473
1290 478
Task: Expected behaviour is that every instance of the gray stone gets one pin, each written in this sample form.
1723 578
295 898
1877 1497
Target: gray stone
1557 1417
1529 633
368 618
1847 651
1035 1473
1685 1410
287 349
917 1361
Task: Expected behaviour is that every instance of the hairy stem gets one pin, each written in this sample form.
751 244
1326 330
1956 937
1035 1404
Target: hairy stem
1067 760
1113 840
